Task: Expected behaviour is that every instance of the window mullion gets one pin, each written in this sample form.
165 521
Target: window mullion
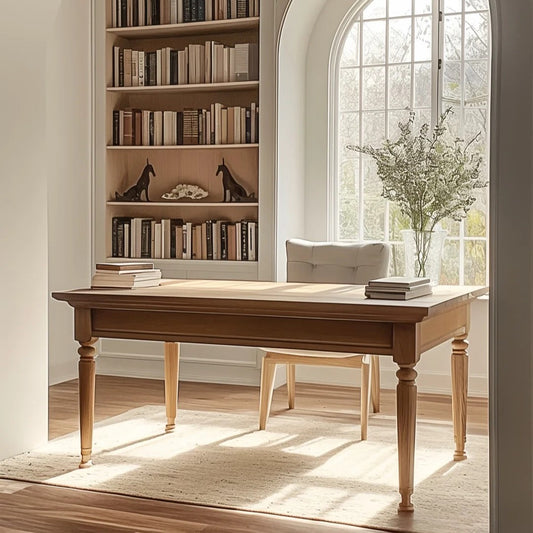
361 174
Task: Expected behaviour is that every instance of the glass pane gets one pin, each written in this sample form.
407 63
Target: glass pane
375 10
451 84
394 118
476 123
349 89
373 42
476 82
476 5
373 88
349 199
400 40
397 222
422 116
350 51
453 6
476 223
423 85
374 203
451 226
423 39
400 86
373 127
399 8
348 133
422 7
397 260
450 263
477 36
452 38
475 262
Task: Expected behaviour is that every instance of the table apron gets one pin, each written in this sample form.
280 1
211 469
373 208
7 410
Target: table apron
340 335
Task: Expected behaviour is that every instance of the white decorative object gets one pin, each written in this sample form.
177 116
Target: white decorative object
185 190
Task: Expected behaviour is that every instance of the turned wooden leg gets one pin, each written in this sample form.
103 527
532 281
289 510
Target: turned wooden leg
268 371
291 384
172 354
86 385
366 373
459 394
406 425
376 383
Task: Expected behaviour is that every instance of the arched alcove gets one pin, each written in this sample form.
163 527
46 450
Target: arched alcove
511 277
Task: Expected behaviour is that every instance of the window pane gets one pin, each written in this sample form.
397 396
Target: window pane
476 5
476 82
452 38
397 260
476 223
451 83
476 123
349 89
398 8
375 10
400 86
374 88
423 85
475 262
423 39
374 203
349 195
394 118
348 133
477 36
422 7
350 50
453 6
400 41
449 274
373 42
373 127
397 222
451 226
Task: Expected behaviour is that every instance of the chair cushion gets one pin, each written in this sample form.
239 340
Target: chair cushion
334 262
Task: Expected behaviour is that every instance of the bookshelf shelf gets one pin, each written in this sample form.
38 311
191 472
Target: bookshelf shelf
165 115
189 28
231 205
189 88
189 147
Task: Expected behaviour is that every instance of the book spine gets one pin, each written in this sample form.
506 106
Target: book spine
194 10
116 127
142 68
209 238
146 238
224 241
244 240
187 10
123 14
114 237
201 10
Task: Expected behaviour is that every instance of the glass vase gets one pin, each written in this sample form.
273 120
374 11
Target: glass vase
423 253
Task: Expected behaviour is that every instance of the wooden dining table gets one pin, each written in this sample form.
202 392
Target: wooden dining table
326 317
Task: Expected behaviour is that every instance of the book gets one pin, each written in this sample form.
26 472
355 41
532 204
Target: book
408 294
403 282
127 284
127 274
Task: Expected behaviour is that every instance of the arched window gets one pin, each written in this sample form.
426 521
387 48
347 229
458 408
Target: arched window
420 55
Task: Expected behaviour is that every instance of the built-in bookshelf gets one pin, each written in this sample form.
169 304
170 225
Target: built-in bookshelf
148 123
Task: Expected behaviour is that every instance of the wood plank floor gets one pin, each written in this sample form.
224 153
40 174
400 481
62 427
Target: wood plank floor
41 508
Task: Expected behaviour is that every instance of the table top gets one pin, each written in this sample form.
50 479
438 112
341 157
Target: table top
269 298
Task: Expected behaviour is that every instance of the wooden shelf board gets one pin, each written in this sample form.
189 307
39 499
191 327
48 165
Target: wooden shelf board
174 30
187 88
187 147
185 204
187 262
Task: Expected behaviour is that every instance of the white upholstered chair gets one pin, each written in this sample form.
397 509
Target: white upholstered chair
328 262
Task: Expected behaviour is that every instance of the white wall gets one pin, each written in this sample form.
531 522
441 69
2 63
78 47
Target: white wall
23 226
68 146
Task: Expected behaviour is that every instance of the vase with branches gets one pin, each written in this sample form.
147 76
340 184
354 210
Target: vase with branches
430 176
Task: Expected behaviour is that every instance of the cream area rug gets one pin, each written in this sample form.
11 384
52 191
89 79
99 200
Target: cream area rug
302 465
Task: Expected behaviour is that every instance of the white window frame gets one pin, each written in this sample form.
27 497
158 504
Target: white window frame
436 104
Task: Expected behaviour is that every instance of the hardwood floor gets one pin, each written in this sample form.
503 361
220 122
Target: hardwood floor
41 508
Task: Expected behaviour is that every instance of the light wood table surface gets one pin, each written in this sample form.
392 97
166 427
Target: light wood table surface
314 316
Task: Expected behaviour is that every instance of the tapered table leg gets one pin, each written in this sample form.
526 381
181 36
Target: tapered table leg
406 395
172 351
86 385
459 394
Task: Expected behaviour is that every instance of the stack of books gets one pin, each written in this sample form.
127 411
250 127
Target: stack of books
398 288
125 275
